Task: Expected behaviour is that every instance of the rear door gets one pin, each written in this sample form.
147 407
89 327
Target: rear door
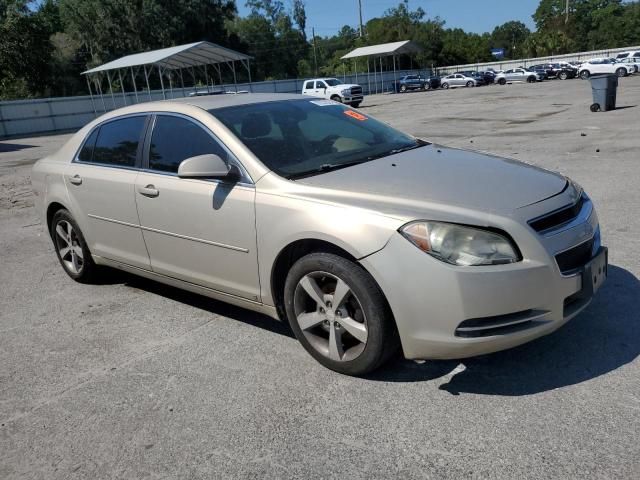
200 231
100 182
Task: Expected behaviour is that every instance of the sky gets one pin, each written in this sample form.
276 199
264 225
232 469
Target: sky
328 16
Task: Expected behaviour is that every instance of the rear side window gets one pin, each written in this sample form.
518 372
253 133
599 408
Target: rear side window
175 139
308 85
86 154
117 142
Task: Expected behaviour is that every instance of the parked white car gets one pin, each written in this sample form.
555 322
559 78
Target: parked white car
631 54
518 75
604 65
458 80
334 89
633 61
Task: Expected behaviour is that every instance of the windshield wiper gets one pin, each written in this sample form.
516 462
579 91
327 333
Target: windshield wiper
324 168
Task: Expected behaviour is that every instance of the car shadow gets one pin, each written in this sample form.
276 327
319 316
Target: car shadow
13 147
604 337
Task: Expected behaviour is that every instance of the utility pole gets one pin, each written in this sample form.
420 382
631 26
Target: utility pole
315 58
360 9
566 12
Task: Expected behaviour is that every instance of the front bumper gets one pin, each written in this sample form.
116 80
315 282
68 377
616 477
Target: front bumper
444 311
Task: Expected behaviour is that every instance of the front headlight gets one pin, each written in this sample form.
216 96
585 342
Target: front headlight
460 245
346 91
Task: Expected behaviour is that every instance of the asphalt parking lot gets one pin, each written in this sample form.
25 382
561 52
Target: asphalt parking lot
132 379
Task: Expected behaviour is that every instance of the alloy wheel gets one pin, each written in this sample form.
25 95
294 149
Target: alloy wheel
330 316
68 246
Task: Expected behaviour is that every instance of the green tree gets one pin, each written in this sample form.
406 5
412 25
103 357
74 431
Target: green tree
511 36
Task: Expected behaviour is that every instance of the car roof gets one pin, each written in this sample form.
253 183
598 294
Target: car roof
211 102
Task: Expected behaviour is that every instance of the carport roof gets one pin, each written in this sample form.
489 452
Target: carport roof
181 56
385 50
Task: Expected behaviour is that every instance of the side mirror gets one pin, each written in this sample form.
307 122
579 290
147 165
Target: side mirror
206 166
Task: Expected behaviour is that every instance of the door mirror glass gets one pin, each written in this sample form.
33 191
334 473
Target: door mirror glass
204 166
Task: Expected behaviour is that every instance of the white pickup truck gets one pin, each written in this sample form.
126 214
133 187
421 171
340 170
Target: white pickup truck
333 89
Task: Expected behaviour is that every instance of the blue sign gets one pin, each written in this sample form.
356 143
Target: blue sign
497 52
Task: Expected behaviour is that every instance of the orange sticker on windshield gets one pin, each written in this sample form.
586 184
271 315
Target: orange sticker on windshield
356 115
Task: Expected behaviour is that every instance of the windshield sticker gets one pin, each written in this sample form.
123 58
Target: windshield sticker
324 103
356 115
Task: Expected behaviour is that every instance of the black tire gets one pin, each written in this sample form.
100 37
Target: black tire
595 107
426 86
470 84
502 81
563 75
336 98
88 271
382 340
531 79
585 74
355 104
445 86
622 72
403 88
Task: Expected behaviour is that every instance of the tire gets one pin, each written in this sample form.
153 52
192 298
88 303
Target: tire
336 98
426 86
563 75
71 248
502 81
355 104
531 79
595 107
375 337
470 84
445 86
403 88
584 74
622 72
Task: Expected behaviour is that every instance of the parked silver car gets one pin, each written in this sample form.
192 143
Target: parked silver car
516 75
458 80
363 238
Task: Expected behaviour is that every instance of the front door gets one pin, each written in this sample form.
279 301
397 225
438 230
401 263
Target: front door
200 231
100 182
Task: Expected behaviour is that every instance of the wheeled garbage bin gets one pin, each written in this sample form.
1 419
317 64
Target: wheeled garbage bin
604 88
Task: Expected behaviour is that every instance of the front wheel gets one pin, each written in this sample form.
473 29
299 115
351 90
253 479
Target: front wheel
336 98
71 248
563 75
584 74
426 86
355 104
531 79
445 86
621 72
502 81
339 314
403 88
469 84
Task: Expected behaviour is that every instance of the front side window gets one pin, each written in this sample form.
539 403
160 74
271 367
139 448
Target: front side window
298 138
117 142
175 139
320 85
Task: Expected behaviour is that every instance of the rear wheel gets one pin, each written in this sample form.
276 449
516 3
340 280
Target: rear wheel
563 75
445 86
502 81
584 74
71 248
595 107
403 88
622 72
339 314
469 84
531 79
427 86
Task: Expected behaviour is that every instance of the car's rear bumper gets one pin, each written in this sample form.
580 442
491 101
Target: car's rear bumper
443 311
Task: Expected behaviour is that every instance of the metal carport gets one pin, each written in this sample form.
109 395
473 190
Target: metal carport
168 62
393 49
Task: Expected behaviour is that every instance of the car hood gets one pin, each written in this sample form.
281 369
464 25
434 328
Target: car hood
433 176
342 86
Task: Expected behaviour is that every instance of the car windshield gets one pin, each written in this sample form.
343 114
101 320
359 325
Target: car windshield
298 138
332 82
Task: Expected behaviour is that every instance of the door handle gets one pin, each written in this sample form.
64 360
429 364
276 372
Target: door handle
76 179
148 191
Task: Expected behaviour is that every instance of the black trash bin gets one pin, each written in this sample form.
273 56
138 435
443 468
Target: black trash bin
604 88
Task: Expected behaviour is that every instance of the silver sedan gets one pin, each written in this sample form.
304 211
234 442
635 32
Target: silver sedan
364 239
458 80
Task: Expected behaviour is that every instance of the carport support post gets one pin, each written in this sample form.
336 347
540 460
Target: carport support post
146 76
368 78
375 75
164 95
355 63
206 78
182 82
381 77
95 112
235 80
124 95
135 88
99 88
249 72
395 78
113 98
